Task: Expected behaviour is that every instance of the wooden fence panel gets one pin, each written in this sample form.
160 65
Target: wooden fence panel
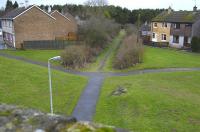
47 44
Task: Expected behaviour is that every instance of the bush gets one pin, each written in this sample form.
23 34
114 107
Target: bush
130 29
195 44
129 53
76 56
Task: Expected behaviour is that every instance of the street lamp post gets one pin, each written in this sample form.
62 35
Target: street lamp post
56 58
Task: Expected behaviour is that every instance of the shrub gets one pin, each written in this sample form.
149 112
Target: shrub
76 56
130 29
195 44
129 53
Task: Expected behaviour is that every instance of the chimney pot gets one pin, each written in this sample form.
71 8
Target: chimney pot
169 10
195 8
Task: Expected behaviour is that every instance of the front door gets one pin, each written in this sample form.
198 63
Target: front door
186 44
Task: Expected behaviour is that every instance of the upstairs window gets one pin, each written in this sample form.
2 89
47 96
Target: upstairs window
164 37
177 26
188 25
10 23
164 24
7 23
155 25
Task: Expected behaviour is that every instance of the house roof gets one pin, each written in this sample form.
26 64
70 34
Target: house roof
68 15
56 11
13 13
177 16
19 11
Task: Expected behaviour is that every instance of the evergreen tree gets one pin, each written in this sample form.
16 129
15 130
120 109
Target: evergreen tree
15 5
9 5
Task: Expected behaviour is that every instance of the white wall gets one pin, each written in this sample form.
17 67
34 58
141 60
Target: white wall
177 45
7 26
189 40
154 39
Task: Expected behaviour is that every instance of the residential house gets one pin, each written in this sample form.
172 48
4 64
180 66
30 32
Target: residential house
1 32
27 24
161 28
74 25
179 27
63 25
33 24
145 33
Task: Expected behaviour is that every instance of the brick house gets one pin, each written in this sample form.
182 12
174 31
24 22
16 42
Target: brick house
181 26
161 28
27 24
62 24
32 24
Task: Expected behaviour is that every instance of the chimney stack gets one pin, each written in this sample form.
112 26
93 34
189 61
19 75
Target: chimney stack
195 8
26 3
49 9
169 11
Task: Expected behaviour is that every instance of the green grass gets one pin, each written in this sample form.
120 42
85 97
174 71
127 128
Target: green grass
153 102
116 43
37 55
27 85
94 67
155 58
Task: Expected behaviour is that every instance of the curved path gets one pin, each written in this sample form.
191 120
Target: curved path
86 106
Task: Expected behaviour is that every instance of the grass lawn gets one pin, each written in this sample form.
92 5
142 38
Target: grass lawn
153 102
155 58
37 55
27 85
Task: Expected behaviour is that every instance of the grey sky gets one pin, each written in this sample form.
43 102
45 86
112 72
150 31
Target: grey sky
130 4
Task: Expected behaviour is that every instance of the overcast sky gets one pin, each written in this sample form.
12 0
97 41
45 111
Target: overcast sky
130 4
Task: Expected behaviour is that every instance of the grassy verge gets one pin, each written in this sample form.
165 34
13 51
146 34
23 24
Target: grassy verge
109 61
153 102
155 58
37 55
27 85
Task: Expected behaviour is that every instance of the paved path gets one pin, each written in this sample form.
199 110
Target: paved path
86 106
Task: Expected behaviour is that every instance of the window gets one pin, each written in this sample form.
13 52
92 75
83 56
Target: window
10 24
175 39
177 26
6 23
164 24
164 37
188 25
3 23
153 35
155 25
